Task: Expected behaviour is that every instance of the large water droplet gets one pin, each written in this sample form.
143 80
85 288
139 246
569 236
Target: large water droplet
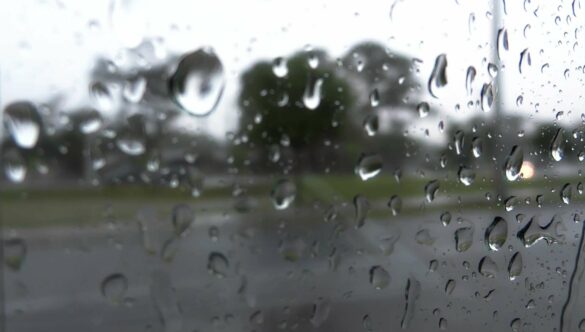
487 267
217 265
469 78
423 109
515 266
466 175
395 204
134 89
280 67
566 193
283 194
514 163
438 78
463 238
23 123
368 166
431 189
487 96
14 166
476 147
198 82
91 122
557 150
496 233
379 277
14 253
361 206
183 217
312 94
114 288
532 233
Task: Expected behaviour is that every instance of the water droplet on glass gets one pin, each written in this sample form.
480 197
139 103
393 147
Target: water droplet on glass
476 147
502 41
217 265
101 96
515 266
487 267
496 233
510 203
368 166
131 143
557 146
114 288
450 286
367 323
14 253
312 94
283 194
567 193
14 166
23 123
395 204
445 218
424 237
463 238
280 67
458 141
379 277
321 310
492 70
198 82
411 295
525 60
183 217
431 189
469 78
533 233
423 109
91 122
514 163
443 325
313 61
466 175
516 325
134 89
438 78
487 96
375 98
361 206
371 124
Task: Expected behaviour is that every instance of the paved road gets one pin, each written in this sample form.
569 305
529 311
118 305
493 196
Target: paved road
324 285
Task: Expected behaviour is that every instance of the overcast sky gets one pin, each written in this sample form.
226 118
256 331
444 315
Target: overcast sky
49 46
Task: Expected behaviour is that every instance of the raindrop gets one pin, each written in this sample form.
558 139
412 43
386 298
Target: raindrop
14 165
198 82
466 175
423 109
283 194
183 217
514 163
469 78
438 78
458 141
371 124
257 318
375 98
516 325
463 238
312 94
361 206
379 277
91 122
321 310
502 41
443 324
14 253
23 122
431 189
566 193
280 67
424 237
445 218
101 96
476 147
525 59
492 70
510 203
450 286
496 233
368 166
557 146
487 267
367 323
411 295
488 96
134 89
217 265
395 205
313 61
515 266
131 143
532 233
114 288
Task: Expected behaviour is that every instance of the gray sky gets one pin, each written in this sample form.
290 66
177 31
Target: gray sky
49 46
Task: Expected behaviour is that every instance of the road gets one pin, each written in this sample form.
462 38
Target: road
290 271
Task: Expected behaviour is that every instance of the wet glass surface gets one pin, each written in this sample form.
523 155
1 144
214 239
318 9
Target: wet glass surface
292 165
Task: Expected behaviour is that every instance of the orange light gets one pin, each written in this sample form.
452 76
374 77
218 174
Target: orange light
527 170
